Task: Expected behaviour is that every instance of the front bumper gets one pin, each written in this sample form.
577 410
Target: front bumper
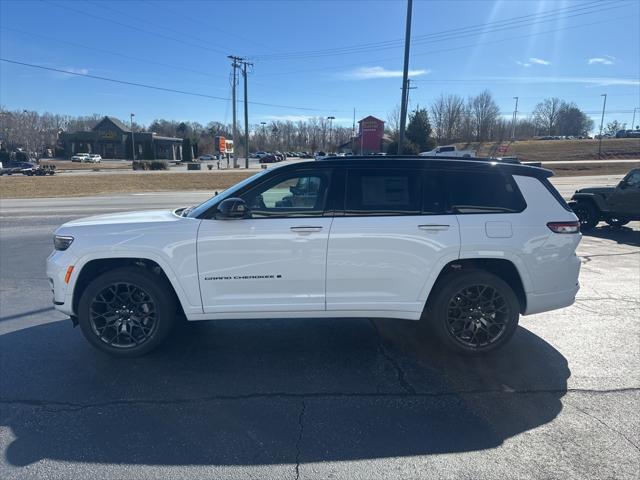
57 264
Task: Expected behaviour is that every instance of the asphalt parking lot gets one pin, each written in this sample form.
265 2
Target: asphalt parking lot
316 399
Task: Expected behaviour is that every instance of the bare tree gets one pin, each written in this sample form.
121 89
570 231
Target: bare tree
546 113
393 123
484 113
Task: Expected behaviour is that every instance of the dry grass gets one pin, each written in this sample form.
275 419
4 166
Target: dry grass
561 150
104 165
77 185
18 186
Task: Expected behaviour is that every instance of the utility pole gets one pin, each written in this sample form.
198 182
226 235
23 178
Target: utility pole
246 114
405 78
514 120
264 134
133 142
234 84
331 119
604 105
633 127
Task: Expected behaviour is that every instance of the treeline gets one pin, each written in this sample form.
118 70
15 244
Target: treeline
448 119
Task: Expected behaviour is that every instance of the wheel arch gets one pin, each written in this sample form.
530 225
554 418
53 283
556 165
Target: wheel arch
502 268
595 200
95 267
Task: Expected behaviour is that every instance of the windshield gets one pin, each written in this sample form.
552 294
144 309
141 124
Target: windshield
206 205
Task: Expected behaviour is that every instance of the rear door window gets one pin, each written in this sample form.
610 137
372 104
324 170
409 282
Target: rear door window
383 192
482 192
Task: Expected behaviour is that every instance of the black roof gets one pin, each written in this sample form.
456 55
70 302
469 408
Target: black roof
456 163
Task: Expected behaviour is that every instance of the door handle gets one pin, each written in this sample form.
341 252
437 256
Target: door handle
433 227
306 229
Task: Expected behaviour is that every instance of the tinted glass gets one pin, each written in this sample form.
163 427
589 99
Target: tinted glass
633 179
299 195
479 192
383 192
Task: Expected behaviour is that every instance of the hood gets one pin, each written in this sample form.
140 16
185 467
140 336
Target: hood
147 216
597 190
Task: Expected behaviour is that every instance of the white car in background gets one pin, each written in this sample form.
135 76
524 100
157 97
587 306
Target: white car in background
94 158
449 151
80 157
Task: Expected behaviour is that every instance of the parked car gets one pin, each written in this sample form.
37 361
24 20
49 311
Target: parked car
261 154
466 248
206 158
94 158
615 205
13 167
320 155
449 151
269 159
80 157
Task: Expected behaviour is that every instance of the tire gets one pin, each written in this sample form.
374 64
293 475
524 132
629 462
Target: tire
458 322
617 222
587 215
142 325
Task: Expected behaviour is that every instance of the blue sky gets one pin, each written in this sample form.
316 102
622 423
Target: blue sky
316 58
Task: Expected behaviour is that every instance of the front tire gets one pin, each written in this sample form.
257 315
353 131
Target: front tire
127 312
473 312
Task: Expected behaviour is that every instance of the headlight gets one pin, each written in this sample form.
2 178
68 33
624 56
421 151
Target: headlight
61 242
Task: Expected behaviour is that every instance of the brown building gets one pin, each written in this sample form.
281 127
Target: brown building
111 138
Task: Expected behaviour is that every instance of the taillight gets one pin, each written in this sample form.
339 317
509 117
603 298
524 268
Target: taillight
564 227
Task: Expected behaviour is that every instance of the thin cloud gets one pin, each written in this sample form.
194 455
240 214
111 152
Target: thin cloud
605 60
523 64
368 73
539 61
64 76
592 81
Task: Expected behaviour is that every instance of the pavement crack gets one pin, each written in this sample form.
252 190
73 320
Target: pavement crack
299 440
60 406
402 380
605 424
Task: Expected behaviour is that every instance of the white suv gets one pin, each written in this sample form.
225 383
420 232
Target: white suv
466 246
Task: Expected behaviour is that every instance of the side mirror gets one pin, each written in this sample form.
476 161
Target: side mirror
623 184
232 208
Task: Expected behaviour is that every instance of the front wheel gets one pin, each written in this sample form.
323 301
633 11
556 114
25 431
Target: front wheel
127 312
587 215
473 312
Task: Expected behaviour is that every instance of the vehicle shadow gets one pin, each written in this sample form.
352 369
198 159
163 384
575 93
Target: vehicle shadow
270 392
627 235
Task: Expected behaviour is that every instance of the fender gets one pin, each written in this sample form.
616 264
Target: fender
594 198
188 306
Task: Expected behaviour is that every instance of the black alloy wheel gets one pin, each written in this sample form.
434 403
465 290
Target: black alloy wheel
127 312
123 315
587 215
472 311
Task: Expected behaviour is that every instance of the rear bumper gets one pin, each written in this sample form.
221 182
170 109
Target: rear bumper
537 303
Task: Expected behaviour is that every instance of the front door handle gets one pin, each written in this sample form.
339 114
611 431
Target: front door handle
433 227
306 229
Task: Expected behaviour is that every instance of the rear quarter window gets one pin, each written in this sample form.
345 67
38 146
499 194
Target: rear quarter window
482 192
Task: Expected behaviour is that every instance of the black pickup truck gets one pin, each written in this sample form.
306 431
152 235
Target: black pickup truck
615 205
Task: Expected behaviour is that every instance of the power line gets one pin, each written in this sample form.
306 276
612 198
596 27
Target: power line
461 32
111 52
155 87
461 47
133 27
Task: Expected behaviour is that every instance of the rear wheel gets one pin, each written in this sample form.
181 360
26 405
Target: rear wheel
127 312
473 312
617 221
587 215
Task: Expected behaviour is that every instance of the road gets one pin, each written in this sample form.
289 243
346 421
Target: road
316 399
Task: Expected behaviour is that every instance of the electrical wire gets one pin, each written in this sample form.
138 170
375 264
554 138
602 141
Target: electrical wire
155 87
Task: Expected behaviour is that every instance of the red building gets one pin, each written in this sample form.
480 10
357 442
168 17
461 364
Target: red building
370 135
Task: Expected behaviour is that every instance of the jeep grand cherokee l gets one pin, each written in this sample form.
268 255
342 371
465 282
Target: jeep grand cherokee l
465 246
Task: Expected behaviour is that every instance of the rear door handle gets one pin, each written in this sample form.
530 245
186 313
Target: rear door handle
306 229
433 227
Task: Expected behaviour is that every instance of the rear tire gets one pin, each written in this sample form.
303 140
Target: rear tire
617 222
473 312
127 312
587 215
